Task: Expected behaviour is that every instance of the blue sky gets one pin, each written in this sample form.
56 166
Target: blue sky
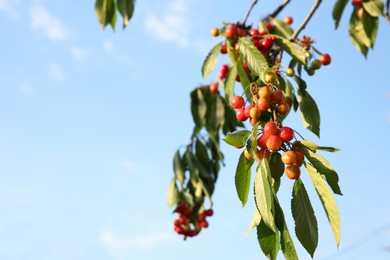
91 118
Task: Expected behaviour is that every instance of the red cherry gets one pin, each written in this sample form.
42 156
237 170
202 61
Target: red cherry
356 2
254 33
269 26
286 134
325 59
240 115
223 48
263 104
231 31
223 71
214 87
270 128
288 20
237 102
241 32
262 141
209 212
274 142
277 96
266 44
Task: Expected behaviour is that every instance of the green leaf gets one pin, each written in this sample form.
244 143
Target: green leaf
281 28
105 12
300 82
242 179
179 167
292 49
268 240
327 200
313 147
255 221
263 194
357 33
198 109
126 9
338 10
306 227
245 80
286 241
237 138
173 194
309 112
230 81
256 61
215 113
370 26
210 61
324 168
276 165
202 154
374 7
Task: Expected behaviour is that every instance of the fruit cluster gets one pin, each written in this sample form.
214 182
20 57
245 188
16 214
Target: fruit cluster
263 99
190 221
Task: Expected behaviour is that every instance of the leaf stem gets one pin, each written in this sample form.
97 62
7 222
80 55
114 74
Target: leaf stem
279 9
249 11
307 19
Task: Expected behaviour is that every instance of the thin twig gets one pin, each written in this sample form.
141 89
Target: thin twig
307 19
249 11
279 9
387 11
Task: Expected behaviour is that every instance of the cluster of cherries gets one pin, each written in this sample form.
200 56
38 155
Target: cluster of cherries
264 98
189 222
278 138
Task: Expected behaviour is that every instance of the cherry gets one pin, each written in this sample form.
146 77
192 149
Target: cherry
241 32
263 153
247 109
356 2
214 87
263 104
325 59
360 12
293 172
288 100
262 141
209 212
290 72
270 128
277 96
257 43
254 33
269 26
214 32
274 142
266 44
254 113
223 48
240 115
204 224
289 157
270 77
237 102
283 108
316 64
231 31
265 92
288 20
286 134
223 71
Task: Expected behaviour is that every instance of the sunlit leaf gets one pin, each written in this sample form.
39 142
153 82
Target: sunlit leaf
338 10
211 60
242 179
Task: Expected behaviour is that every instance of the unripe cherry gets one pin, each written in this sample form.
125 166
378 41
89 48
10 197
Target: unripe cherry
262 141
247 109
263 153
254 113
289 157
292 172
214 32
265 92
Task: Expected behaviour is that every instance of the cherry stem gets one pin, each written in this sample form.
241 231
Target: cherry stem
299 134
249 11
279 9
307 19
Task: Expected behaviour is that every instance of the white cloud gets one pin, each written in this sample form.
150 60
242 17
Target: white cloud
52 27
78 53
108 46
121 246
172 26
10 7
55 71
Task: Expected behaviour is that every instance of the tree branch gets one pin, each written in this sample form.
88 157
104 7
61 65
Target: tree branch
279 9
307 19
249 11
